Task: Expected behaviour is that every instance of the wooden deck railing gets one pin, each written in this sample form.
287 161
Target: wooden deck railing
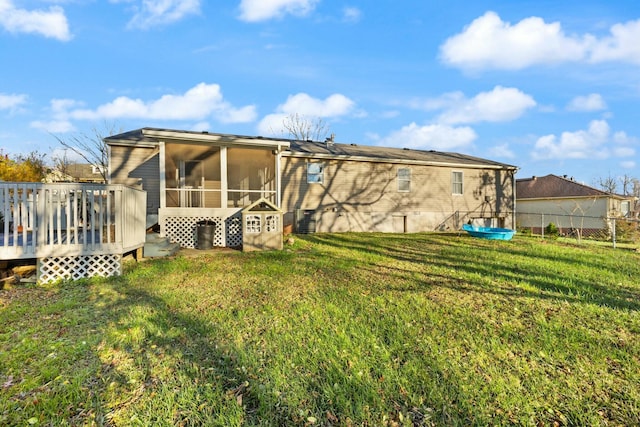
47 220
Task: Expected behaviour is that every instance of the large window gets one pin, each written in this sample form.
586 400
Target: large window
456 183
404 180
315 173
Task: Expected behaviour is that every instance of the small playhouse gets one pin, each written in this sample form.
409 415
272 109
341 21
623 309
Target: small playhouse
261 226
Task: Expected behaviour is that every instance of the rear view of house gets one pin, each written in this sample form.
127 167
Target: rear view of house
317 186
329 187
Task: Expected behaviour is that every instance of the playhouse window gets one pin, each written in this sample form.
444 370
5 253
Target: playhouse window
254 224
271 223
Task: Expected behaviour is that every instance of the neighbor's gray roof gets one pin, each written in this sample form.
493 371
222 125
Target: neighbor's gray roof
553 186
401 155
313 149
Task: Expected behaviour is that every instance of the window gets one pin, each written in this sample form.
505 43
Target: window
404 180
271 223
315 173
253 224
625 207
456 183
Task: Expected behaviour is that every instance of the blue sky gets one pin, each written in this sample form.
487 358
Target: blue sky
548 86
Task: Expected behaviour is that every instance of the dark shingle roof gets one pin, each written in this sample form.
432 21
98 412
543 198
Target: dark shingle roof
149 136
375 153
550 186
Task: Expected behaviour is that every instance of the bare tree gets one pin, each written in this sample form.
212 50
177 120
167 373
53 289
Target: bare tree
608 184
91 147
61 163
628 183
304 128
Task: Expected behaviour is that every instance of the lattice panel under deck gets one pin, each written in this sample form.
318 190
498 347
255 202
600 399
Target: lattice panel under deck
182 230
78 267
233 226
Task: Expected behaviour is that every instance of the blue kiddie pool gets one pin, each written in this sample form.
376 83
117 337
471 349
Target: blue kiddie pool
489 232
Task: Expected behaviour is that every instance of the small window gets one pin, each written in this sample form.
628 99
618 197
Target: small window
315 173
404 180
456 183
271 223
253 224
625 207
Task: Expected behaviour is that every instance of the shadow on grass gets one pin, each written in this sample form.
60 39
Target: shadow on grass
554 275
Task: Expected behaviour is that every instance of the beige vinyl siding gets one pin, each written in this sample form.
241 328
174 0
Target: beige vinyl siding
135 166
364 196
567 213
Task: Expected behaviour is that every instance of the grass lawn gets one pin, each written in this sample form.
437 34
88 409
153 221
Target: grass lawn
344 329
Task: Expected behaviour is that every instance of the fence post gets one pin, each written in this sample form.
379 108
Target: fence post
613 231
542 224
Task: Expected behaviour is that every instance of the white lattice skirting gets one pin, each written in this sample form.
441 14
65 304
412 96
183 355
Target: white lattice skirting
182 230
78 267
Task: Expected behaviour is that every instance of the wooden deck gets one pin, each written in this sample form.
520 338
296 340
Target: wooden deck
52 221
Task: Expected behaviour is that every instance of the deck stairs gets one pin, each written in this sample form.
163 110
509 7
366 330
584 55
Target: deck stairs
156 246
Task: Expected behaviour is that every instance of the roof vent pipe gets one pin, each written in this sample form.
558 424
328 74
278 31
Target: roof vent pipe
330 139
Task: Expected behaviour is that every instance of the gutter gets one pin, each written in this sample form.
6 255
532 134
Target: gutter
399 161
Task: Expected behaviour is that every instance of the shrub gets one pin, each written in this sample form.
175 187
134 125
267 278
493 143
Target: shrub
551 230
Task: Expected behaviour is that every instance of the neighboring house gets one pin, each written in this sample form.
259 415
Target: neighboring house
318 186
567 204
76 172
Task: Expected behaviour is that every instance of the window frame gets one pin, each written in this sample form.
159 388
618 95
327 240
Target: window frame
404 180
319 174
271 223
457 183
253 224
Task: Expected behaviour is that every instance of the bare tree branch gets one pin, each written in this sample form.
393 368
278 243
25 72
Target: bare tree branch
91 147
303 128
608 184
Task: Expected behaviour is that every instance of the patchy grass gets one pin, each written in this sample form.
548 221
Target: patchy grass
346 329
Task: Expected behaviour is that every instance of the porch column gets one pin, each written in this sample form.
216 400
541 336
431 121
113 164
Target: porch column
224 197
278 179
163 177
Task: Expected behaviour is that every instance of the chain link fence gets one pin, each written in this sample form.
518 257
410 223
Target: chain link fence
615 231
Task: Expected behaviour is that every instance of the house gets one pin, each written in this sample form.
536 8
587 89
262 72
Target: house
318 186
568 204
76 172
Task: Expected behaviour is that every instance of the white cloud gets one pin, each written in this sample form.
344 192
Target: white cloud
501 151
332 106
501 104
592 143
263 10
491 43
150 13
51 23
591 102
622 45
53 126
335 105
628 164
11 101
200 102
433 137
351 14
272 124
